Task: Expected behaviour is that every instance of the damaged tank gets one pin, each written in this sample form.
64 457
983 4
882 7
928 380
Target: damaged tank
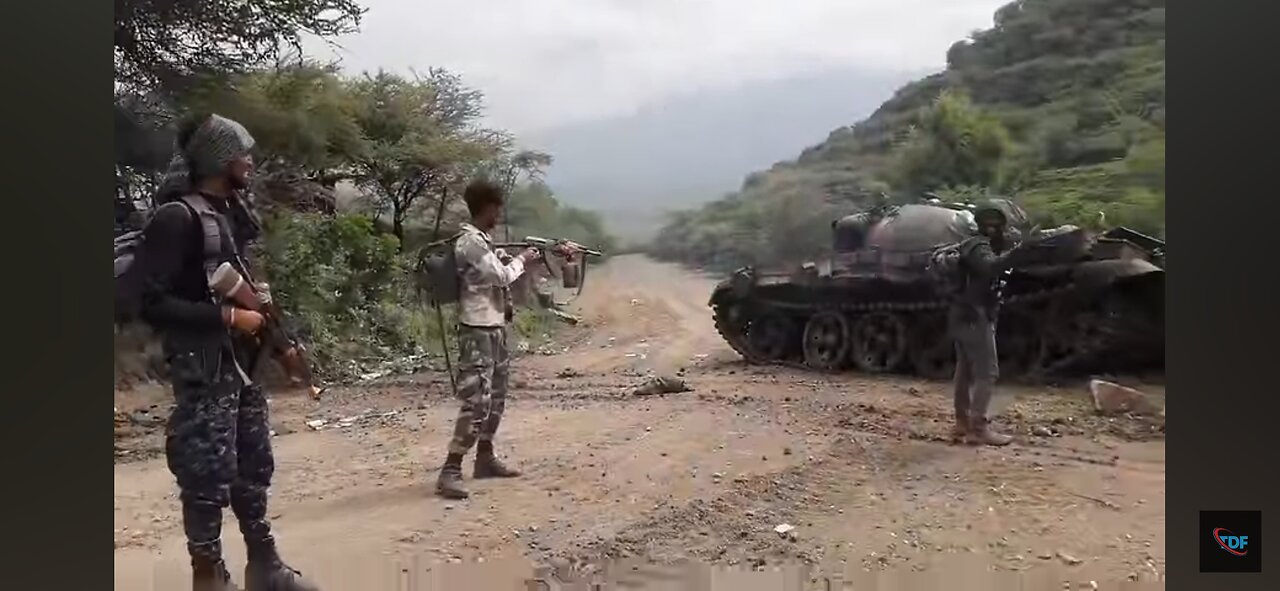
1074 300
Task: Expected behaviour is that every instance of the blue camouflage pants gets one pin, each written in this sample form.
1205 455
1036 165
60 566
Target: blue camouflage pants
218 447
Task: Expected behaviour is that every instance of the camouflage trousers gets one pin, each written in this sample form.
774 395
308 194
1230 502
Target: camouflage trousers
977 367
218 446
483 361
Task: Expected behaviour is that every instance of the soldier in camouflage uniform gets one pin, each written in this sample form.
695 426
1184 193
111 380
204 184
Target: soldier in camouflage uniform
218 440
972 323
485 308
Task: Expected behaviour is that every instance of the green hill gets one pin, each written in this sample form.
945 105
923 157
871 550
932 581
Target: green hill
1060 104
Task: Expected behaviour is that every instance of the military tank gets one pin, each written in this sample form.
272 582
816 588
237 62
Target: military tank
1074 300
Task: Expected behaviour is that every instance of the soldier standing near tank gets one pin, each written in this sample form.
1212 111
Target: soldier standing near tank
485 309
972 323
218 439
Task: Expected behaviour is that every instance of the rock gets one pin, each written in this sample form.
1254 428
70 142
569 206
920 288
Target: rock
783 529
1112 399
316 425
1042 431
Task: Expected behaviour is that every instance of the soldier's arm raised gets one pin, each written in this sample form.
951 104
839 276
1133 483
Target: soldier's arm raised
483 266
984 262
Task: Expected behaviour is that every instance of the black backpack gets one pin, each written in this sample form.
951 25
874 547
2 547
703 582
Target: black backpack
436 274
129 274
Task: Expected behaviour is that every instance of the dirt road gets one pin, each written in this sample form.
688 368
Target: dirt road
858 467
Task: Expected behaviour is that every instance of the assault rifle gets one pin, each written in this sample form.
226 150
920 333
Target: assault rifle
557 246
272 339
574 271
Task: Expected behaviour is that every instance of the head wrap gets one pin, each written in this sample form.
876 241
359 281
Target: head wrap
214 145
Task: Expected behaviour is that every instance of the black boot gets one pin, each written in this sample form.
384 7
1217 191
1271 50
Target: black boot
266 572
449 484
208 571
489 466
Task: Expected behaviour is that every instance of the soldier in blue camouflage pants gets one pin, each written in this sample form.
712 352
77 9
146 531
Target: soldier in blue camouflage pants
218 441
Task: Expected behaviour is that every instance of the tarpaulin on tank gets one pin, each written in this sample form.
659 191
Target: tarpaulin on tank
915 228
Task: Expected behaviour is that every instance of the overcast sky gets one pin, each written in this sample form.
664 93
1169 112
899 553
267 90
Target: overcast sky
547 63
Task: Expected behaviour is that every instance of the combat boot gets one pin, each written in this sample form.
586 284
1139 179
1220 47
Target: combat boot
489 466
209 572
449 484
960 430
266 572
981 433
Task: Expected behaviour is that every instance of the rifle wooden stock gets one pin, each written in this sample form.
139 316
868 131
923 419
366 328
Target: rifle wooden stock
287 351
272 339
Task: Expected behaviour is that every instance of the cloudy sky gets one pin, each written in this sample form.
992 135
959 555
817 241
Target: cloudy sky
548 63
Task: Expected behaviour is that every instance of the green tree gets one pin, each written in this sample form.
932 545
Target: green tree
302 115
955 144
164 44
423 138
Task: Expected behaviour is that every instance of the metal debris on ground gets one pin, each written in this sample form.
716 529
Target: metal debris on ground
661 385
1068 559
566 317
358 419
1042 431
1110 399
370 370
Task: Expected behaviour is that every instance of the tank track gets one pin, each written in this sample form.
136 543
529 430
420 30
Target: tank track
736 339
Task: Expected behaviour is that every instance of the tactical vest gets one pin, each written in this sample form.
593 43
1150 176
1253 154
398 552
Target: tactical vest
215 236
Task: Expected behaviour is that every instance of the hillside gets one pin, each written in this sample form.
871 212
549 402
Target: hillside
1076 88
687 150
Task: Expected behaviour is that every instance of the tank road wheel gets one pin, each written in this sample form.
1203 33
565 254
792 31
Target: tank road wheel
729 323
1017 343
771 336
931 350
879 342
1069 340
826 340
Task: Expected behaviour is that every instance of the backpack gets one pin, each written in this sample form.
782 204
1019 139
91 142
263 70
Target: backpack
945 266
436 274
128 274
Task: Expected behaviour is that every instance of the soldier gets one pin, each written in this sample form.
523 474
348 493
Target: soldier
972 322
218 439
484 310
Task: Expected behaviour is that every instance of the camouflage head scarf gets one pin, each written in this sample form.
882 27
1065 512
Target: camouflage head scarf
213 146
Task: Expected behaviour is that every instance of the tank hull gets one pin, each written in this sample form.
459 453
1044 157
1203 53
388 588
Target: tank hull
1084 303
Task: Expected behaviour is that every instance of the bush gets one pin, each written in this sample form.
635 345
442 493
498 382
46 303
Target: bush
345 287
